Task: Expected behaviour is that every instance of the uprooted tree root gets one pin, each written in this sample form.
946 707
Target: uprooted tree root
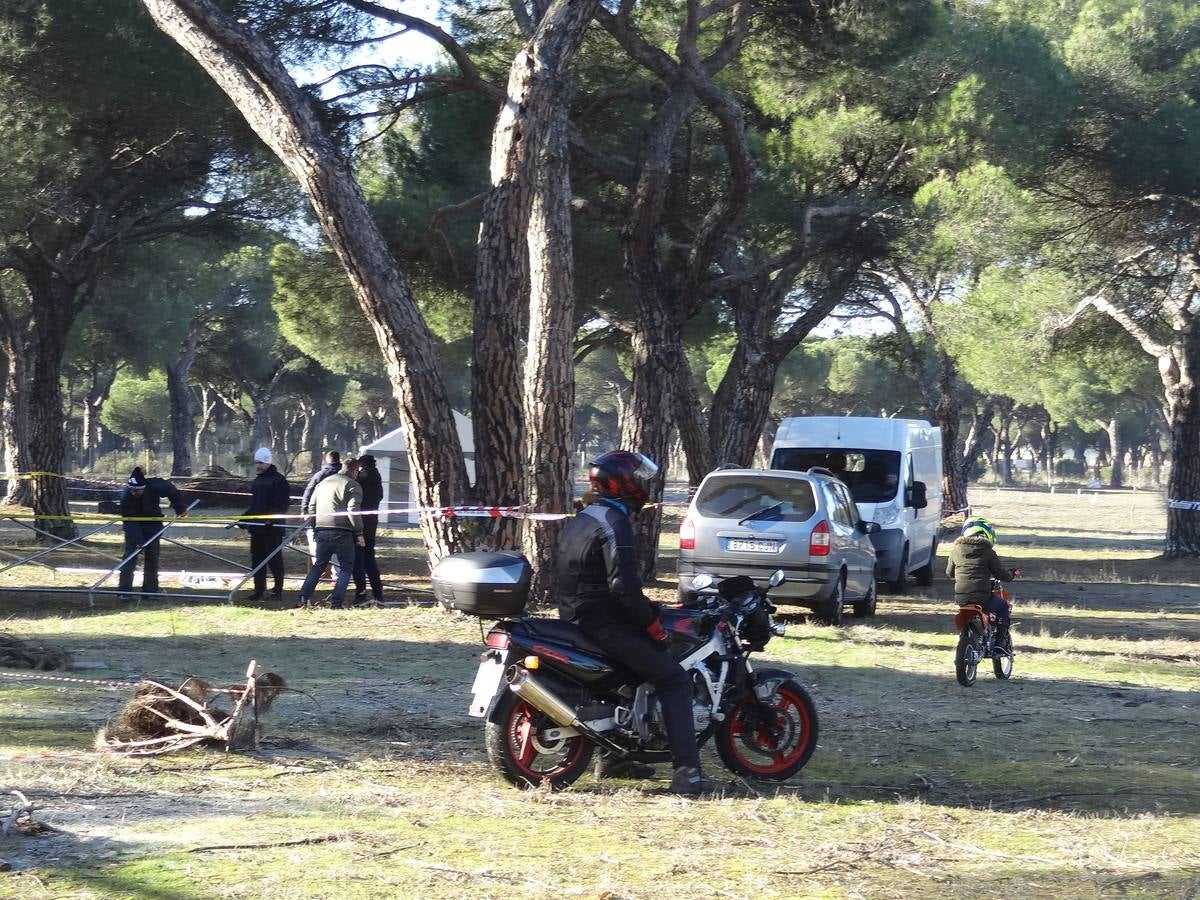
17 653
161 719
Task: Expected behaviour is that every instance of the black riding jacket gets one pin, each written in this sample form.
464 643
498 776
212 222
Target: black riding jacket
597 569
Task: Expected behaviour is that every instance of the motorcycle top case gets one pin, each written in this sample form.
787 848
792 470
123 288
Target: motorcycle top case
488 585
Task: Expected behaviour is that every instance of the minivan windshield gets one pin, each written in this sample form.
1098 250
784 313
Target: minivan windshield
873 476
767 498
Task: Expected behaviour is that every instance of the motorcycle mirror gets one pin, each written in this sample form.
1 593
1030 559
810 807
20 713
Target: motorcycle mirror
777 578
702 582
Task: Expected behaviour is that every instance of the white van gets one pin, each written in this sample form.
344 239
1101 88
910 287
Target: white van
893 468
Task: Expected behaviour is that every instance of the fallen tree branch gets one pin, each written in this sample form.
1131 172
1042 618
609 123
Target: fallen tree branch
299 842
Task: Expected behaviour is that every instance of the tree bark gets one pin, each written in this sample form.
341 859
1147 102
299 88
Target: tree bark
53 309
541 76
180 395
285 118
1116 452
14 408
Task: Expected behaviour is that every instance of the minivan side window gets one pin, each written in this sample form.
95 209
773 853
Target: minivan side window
851 508
837 506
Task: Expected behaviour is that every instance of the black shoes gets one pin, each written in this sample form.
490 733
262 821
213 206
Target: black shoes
689 781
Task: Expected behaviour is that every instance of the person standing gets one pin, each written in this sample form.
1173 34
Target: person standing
337 527
365 566
142 520
333 465
270 495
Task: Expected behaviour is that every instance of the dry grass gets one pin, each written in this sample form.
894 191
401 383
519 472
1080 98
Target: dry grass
1076 778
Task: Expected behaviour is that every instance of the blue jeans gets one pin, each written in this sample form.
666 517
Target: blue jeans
331 542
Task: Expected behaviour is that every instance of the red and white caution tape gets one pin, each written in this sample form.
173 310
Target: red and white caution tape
37 676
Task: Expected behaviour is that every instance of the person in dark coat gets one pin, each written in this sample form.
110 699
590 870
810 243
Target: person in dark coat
270 495
973 564
365 566
333 465
600 590
142 520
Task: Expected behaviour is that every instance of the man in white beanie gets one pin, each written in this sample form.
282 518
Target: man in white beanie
270 495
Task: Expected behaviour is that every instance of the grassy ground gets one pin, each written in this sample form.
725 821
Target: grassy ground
1076 778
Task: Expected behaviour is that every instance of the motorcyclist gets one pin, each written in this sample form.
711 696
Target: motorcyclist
600 590
973 564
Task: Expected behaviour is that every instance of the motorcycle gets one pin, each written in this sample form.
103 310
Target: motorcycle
550 697
977 640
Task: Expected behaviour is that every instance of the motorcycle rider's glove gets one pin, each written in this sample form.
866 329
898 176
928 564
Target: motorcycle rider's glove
657 633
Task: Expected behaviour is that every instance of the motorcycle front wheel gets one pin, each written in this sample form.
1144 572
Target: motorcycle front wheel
966 657
774 747
513 746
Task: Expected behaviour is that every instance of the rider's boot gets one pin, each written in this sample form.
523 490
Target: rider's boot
689 781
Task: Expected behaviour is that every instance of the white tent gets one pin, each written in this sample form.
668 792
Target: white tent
391 458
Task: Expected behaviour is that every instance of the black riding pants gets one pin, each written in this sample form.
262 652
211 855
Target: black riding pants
629 646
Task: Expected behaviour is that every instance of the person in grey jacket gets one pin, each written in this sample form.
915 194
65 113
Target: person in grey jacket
333 465
337 529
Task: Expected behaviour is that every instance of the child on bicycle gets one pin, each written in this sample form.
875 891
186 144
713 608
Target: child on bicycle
973 564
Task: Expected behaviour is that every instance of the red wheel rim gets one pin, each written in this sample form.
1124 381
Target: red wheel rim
532 762
774 749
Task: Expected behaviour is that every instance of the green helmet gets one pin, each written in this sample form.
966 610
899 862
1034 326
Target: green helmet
979 525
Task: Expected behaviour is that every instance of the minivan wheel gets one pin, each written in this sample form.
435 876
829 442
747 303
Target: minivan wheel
900 585
865 608
832 609
924 575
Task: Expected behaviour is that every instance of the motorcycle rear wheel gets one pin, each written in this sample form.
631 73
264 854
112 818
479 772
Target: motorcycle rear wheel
771 750
512 746
966 657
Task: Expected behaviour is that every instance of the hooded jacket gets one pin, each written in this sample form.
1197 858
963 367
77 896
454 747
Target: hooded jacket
973 564
149 505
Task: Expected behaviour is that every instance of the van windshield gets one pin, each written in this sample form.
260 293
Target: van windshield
873 476
775 499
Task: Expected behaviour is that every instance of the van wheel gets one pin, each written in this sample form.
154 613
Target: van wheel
924 575
832 609
865 608
900 585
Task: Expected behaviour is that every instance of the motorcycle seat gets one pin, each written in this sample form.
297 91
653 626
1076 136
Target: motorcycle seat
564 632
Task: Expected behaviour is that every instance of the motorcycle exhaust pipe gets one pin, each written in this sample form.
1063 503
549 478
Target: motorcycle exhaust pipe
544 700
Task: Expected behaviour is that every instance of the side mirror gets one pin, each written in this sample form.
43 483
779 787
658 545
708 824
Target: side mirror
869 527
702 582
777 578
916 496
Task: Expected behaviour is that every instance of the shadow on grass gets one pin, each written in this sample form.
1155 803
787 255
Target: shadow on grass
886 733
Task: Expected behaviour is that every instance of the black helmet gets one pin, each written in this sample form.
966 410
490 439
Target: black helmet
624 476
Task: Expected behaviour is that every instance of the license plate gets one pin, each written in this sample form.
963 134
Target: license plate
487 680
748 545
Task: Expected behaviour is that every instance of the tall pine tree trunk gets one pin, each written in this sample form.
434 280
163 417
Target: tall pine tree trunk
52 305
285 118
549 394
1183 483
1116 453
180 395
14 408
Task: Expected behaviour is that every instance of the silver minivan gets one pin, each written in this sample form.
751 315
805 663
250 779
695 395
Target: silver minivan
751 522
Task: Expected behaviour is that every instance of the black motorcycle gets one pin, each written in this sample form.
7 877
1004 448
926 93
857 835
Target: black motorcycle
549 696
